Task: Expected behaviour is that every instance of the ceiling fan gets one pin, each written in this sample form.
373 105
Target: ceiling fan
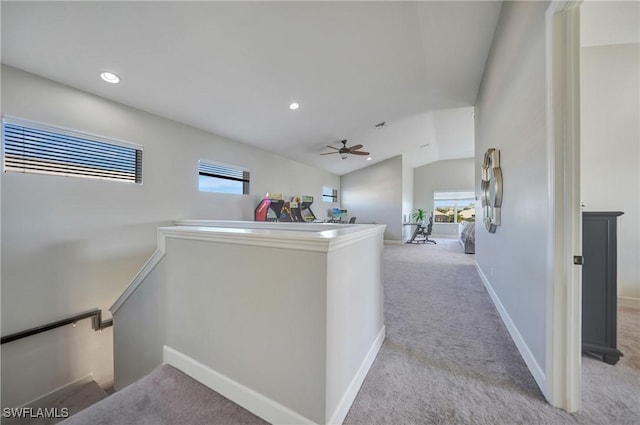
344 151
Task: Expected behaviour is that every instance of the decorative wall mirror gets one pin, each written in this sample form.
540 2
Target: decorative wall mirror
491 189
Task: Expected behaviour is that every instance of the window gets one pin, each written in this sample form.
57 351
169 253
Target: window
329 194
454 207
36 148
222 178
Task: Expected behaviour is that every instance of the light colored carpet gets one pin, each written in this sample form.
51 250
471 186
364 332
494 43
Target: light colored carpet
447 359
164 397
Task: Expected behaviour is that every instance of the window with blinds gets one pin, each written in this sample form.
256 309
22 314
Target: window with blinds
222 178
36 148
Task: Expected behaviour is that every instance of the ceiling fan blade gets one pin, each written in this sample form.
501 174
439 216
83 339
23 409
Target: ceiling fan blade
354 147
359 153
328 153
329 146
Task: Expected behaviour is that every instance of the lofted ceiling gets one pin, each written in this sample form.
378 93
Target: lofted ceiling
233 68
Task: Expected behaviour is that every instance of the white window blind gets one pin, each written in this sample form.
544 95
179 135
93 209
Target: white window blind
37 148
216 177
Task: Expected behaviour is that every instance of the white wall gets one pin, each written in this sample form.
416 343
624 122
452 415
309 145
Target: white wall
407 186
374 194
300 327
71 244
610 149
510 115
448 175
407 196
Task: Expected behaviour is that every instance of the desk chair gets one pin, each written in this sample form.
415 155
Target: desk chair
423 231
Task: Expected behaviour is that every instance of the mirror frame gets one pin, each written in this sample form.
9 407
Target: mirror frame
491 179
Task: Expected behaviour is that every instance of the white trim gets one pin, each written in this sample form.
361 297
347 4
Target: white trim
393 242
341 410
137 280
444 236
42 400
264 407
523 348
629 302
316 237
299 237
271 240
563 321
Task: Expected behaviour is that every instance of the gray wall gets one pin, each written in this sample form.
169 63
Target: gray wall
610 150
71 244
407 186
510 115
447 175
374 194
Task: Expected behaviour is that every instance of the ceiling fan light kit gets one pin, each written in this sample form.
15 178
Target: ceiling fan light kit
345 151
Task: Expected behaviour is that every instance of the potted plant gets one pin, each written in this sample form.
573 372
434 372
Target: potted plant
419 216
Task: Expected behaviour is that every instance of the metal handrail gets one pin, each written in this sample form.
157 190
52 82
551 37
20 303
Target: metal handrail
96 323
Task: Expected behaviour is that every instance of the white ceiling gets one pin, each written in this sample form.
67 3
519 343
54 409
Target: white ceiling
232 68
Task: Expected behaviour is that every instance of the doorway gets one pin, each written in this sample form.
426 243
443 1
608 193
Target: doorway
595 162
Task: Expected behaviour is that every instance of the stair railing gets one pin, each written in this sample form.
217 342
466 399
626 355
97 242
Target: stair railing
96 323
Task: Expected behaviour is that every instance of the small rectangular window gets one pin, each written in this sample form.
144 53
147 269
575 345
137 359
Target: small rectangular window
329 194
41 149
222 178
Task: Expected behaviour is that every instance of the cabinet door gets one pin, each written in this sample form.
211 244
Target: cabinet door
599 286
595 276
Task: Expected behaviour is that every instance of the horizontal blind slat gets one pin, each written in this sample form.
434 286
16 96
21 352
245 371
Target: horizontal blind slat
39 151
214 170
71 157
228 173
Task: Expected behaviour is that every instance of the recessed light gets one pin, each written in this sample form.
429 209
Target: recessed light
110 77
294 106
369 159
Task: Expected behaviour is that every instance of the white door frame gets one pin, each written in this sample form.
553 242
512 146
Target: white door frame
564 295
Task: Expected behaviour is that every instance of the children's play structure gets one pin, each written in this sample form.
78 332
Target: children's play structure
273 208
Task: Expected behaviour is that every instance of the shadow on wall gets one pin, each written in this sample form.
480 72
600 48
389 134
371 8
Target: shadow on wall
48 283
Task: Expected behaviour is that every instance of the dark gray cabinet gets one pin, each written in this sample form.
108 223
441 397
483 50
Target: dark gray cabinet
599 285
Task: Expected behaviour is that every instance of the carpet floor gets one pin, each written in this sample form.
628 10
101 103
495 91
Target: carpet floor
447 359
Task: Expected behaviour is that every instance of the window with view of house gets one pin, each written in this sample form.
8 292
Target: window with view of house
454 206
222 178
329 194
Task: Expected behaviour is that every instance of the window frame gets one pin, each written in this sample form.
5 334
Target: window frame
333 196
59 151
230 170
454 201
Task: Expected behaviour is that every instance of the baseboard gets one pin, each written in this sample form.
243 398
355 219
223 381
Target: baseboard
341 410
42 401
392 242
523 348
629 302
269 410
